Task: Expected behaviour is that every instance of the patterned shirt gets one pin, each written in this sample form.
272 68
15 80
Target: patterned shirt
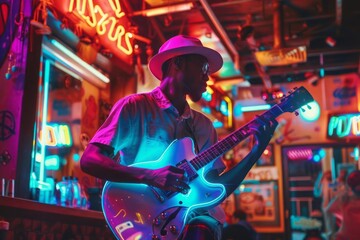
141 127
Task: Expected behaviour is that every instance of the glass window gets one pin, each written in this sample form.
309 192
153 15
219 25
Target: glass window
71 102
58 128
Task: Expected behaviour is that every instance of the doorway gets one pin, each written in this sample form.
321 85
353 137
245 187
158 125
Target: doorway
311 172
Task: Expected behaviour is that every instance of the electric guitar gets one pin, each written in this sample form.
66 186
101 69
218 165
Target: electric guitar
139 211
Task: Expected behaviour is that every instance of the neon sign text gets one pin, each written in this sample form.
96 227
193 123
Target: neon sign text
104 23
56 135
341 126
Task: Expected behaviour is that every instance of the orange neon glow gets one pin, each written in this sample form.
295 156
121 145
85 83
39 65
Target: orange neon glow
56 136
105 23
230 111
266 152
139 218
50 137
123 211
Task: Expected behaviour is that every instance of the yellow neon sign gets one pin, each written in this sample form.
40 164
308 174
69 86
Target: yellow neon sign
230 109
104 23
139 218
57 135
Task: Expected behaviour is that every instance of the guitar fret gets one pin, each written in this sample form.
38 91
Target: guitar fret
203 163
218 149
197 166
234 138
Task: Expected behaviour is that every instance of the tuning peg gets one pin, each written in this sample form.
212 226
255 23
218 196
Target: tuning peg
296 113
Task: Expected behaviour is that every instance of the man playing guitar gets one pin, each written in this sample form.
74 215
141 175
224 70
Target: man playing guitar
142 126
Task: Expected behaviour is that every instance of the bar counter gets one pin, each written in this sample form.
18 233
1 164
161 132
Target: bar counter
34 220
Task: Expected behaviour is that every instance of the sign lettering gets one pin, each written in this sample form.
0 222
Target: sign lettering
344 126
105 24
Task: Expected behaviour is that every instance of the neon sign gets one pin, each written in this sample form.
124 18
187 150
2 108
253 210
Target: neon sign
344 126
52 162
106 19
103 22
56 135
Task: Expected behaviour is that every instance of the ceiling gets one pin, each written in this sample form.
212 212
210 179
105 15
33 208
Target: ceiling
325 34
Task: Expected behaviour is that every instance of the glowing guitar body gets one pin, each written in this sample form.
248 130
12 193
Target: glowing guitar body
148 211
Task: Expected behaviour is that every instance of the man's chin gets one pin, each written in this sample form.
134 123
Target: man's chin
195 98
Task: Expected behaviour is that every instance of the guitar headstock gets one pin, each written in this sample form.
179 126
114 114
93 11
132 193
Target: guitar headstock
295 100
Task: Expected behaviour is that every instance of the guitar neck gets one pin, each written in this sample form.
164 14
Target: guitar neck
231 140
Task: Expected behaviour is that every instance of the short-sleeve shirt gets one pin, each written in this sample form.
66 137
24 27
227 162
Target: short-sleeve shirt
141 127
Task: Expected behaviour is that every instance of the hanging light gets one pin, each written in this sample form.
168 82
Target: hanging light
165 10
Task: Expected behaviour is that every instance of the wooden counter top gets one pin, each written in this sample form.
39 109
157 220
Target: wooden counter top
23 206
34 220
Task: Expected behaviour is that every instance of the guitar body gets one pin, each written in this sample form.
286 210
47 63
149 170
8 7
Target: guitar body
139 211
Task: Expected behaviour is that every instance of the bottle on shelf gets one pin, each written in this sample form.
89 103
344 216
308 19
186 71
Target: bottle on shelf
77 192
69 196
61 191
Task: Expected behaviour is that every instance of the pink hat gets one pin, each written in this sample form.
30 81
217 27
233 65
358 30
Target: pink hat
353 179
181 45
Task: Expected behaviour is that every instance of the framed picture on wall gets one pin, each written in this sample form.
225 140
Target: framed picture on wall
261 203
267 158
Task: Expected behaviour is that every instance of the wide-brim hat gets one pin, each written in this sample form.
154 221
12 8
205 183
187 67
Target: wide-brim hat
181 45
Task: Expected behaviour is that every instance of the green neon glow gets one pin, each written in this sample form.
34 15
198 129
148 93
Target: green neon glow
52 162
255 108
344 126
44 117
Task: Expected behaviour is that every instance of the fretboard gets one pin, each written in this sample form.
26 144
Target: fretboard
232 140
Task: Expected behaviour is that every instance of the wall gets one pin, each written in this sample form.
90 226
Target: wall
293 130
13 42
